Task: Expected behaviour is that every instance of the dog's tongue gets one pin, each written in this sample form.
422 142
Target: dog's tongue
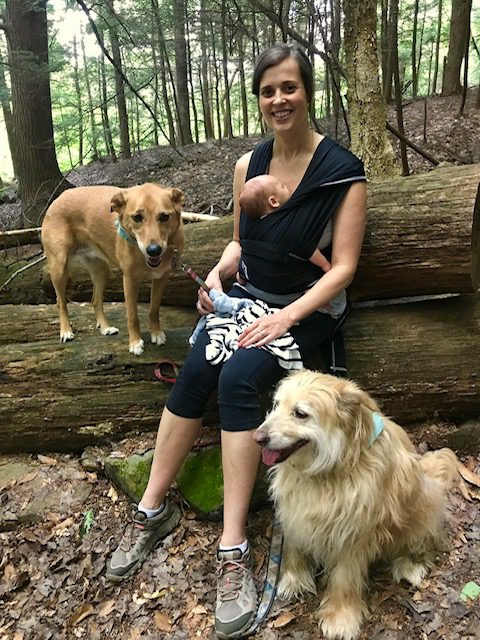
270 456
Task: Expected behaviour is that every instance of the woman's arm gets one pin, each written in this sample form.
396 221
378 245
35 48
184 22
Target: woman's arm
348 230
227 266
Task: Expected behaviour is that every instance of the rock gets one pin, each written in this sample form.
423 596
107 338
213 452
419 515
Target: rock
199 481
130 474
31 492
466 439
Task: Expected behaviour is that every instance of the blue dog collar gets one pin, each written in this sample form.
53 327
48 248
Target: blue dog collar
377 427
122 233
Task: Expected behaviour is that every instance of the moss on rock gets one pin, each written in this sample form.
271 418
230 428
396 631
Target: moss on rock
130 475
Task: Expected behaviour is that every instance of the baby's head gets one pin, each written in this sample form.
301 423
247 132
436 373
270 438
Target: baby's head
261 195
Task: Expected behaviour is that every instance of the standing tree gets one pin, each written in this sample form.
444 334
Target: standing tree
369 138
37 169
457 45
179 16
112 21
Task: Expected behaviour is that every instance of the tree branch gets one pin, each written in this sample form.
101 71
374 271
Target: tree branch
120 71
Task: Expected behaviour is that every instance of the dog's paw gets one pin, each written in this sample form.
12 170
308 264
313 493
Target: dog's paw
340 623
294 585
109 331
66 336
159 338
407 569
137 347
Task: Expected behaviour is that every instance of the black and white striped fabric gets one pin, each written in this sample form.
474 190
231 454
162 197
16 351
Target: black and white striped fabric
224 332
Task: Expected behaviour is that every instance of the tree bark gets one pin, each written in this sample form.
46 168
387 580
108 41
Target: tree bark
179 16
418 360
125 150
37 168
367 113
419 241
457 44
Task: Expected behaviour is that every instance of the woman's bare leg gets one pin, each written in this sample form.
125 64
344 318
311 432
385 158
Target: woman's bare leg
240 458
175 439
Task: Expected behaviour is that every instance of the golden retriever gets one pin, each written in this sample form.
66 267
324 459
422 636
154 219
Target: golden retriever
349 489
138 229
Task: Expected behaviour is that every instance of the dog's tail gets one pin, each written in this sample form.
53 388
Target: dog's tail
442 466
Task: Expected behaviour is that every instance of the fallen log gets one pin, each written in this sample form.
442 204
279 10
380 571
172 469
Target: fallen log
418 242
419 360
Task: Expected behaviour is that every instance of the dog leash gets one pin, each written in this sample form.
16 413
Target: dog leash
271 579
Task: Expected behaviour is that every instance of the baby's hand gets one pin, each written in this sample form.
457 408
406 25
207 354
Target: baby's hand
320 260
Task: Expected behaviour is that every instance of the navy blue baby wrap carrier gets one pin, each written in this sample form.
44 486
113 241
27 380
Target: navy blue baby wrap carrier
276 248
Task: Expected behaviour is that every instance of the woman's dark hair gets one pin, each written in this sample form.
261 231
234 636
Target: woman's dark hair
277 54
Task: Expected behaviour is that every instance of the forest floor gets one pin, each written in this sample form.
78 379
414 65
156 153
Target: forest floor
52 556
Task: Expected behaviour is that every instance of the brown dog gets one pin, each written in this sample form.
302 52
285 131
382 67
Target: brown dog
138 229
349 489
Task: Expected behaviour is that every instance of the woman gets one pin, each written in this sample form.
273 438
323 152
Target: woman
327 209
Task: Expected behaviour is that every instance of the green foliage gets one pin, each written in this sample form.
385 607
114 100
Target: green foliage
87 523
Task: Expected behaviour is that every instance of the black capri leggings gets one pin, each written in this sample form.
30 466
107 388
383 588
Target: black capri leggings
242 378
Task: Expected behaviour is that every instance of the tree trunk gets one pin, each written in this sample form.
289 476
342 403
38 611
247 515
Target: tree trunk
457 44
179 16
414 50
39 176
7 116
125 150
91 106
437 46
227 117
206 97
419 241
366 105
78 95
107 130
64 397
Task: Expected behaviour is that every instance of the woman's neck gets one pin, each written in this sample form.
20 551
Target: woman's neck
291 145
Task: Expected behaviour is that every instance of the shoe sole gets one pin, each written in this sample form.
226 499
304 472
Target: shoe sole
240 633
167 528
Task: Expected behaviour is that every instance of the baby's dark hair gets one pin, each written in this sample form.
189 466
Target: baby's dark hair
277 54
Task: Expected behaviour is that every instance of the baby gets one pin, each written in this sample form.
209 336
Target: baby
261 195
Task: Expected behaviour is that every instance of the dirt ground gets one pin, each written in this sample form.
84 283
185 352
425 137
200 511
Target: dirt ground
52 572
59 521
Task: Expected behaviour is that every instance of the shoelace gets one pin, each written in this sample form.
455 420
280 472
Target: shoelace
127 541
231 579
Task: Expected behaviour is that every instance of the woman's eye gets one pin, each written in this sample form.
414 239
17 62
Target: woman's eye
163 217
266 93
291 88
137 217
301 415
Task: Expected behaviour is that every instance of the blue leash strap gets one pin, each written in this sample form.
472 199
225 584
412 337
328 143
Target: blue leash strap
271 579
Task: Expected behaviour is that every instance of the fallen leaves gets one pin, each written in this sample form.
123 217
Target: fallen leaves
81 613
162 621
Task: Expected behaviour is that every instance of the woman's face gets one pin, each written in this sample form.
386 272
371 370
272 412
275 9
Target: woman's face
282 98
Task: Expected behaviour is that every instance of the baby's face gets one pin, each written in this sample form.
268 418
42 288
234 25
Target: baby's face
282 193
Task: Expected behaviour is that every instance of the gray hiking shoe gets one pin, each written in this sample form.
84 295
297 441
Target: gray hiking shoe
140 537
236 594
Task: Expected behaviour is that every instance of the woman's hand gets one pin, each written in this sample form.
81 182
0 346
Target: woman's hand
265 329
204 304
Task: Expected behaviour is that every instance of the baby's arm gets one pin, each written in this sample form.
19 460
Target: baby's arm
319 259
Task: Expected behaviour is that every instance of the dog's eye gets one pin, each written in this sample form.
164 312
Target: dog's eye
301 415
137 217
164 217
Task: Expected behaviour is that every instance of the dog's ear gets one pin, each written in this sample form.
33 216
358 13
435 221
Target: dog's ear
353 397
178 199
118 202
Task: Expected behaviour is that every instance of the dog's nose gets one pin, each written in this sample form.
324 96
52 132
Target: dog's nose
154 250
261 438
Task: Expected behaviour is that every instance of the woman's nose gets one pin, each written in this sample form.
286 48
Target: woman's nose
278 96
